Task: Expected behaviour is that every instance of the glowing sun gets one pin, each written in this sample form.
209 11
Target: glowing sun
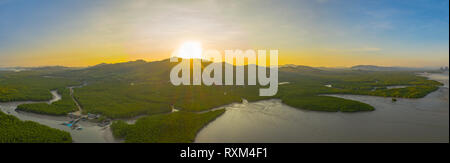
190 49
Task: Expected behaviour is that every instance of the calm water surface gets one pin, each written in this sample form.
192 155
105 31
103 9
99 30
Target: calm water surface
91 133
407 120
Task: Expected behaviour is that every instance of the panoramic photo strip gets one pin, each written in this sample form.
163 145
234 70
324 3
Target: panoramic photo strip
224 79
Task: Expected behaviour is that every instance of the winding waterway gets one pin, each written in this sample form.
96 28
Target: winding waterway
91 133
407 120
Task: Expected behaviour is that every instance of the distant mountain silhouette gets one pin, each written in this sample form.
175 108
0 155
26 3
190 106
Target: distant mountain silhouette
381 68
298 68
155 71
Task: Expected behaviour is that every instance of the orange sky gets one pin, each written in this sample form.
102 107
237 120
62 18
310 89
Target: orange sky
313 33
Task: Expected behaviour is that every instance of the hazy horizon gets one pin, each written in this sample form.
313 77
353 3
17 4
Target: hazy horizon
287 64
317 33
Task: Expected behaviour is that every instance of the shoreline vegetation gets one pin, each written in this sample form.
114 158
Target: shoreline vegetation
30 85
58 108
13 130
178 127
131 89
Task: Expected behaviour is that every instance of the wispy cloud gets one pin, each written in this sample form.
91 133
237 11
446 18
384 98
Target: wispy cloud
358 49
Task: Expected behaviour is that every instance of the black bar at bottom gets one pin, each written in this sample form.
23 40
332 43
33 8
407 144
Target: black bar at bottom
227 151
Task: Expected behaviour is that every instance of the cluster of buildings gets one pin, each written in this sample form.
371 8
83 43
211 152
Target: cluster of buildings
76 118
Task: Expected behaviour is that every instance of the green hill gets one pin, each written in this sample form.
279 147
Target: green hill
134 88
130 89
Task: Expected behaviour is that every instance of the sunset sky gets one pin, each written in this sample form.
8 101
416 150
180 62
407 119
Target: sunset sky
327 33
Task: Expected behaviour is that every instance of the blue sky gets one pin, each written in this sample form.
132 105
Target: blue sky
309 32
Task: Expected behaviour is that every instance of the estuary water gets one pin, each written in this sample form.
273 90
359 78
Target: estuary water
91 133
407 120
270 121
